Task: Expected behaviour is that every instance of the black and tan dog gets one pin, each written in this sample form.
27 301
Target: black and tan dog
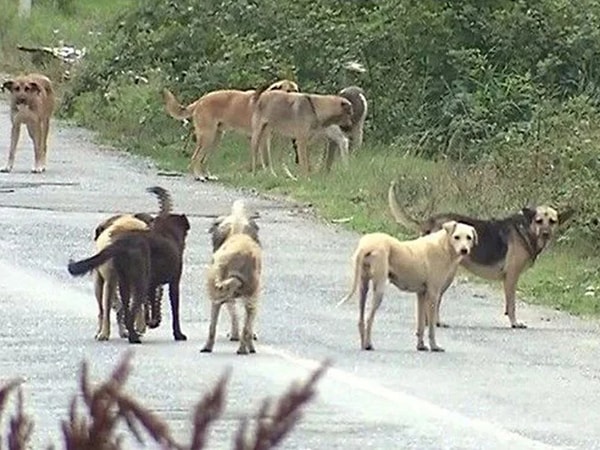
144 260
105 278
506 248
234 273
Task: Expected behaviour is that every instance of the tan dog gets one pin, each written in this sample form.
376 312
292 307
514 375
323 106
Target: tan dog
425 265
507 247
214 113
105 278
31 103
299 116
234 273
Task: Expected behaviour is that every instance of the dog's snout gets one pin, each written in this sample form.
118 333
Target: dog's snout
464 251
545 234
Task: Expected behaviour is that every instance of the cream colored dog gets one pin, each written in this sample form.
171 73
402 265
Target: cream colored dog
105 279
234 273
31 103
214 113
425 265
299 116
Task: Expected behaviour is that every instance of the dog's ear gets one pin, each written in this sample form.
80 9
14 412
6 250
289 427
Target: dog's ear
346 106
529 213
219 235
8 85
475 237
565 215
98 231
450 226
252 230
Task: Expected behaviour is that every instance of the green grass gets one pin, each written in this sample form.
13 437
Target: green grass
355 196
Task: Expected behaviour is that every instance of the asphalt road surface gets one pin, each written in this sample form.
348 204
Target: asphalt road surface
494 388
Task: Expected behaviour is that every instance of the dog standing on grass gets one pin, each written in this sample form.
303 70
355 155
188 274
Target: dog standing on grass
234 273
507 247
144 260
300 116
213 114
32 103
426 266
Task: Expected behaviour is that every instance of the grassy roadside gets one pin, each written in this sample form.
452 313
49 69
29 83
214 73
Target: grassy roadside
354 195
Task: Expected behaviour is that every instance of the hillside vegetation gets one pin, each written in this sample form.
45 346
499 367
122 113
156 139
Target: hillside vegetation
478 106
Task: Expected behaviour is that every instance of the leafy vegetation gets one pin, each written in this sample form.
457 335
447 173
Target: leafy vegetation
482 106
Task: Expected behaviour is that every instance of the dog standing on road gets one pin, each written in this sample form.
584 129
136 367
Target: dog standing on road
32 103
144 260
426 266
297 115
214 113
234 273
507 247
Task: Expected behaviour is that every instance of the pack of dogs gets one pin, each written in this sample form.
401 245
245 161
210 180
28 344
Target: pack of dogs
138 254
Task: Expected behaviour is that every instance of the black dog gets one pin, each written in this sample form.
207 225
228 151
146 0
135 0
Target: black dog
143 261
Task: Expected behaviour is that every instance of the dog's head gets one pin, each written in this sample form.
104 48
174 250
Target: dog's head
462 237
284 85
237 222
175 225
544 221
22 89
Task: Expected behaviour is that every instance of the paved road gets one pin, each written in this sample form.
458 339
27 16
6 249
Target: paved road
494 388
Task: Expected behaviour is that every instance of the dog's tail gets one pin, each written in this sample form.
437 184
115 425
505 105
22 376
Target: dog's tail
176 109
402 218
165 202
228 286
78 268
358 259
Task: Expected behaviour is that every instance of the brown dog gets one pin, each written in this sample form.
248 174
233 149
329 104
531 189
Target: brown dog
234 273
299 116
214 113
425 265
31 103
507 247
144 260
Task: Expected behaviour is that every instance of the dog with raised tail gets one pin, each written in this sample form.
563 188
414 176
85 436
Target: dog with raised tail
426 266
234 273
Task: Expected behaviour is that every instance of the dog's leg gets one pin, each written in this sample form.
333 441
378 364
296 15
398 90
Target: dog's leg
302 143
34 130
267 141
378 291
247 341
438 322
256 144
421 317
174 299
15 132
510 291
431 301
330 148
356 136
295 147
44 142
98 285
362 301
125 294
336 134
234 334
107 294
215 307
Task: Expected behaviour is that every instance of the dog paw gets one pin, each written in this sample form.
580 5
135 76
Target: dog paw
180 337
369 347
437 349
442 325
422 348
206 350
36 170
135 340
6 169
233 337
102 337
242 351
518 325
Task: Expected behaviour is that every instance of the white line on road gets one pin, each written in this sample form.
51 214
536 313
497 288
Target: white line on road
407 401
